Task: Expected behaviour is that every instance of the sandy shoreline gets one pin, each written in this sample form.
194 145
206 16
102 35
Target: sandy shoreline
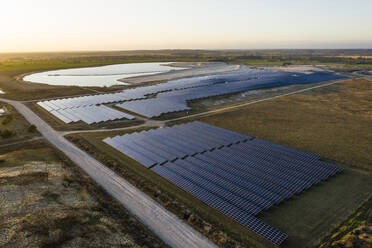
195 69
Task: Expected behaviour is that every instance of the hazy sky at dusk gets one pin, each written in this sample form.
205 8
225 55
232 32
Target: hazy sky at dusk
41 25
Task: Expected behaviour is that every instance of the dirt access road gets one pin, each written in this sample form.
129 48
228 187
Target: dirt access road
164 224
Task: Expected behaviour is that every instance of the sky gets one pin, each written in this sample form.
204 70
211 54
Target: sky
79 25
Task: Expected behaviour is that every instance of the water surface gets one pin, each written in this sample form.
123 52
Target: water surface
99 76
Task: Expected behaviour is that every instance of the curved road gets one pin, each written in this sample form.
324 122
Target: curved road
164 224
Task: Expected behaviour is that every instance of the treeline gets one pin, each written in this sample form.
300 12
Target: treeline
302 58
340 56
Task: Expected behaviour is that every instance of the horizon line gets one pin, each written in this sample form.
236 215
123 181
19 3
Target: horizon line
180 49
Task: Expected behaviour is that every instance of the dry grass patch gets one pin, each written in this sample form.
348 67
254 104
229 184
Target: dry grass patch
45 201
334 122
14 125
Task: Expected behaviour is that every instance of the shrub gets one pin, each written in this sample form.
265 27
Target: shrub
84 193
6 134
31 129
7 119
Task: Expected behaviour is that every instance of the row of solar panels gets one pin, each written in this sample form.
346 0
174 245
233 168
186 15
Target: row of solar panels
242 183
242 74
154 107
222 204
173 101
231 172
142 92
157 146
90 114
173 95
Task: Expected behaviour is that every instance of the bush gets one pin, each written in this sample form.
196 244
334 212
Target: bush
6 134
7 119
31 129
286 63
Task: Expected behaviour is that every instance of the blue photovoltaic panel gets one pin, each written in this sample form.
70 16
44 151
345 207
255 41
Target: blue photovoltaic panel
231 172
173 95
220 203
89 114
171 143
176 100
245 178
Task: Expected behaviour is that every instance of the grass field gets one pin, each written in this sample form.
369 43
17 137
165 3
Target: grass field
13 122
333 122
356 231
315 213
48 202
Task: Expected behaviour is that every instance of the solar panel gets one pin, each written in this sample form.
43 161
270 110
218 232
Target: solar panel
173 95
179 141
89 114
242 179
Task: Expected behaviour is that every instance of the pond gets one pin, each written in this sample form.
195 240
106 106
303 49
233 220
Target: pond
99 76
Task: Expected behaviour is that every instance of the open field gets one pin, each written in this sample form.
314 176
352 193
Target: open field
333 122
48 202
356 231
228 100
13 127
312 215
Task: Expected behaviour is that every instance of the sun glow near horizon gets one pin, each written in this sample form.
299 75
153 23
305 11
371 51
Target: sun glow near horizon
42 25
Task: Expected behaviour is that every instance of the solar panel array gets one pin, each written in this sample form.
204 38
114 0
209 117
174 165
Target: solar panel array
157 146
89 114
172 96
233 173
173 101
140 92
64 108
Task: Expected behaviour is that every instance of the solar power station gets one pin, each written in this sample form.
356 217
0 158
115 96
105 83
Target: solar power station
172 96
176 100
88 114
238 175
